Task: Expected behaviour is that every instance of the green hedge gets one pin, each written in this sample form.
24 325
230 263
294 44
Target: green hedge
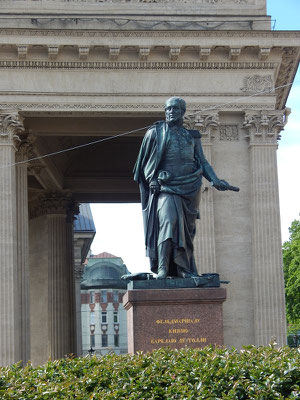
209 373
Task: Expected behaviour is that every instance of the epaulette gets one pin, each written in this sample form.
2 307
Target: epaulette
196 134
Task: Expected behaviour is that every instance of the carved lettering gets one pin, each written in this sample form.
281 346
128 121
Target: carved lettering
192 340
163 341
178 321
178 331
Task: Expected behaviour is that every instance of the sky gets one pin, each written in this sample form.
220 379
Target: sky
119 226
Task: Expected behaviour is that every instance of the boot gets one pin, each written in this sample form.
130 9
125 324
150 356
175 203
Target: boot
162 272
164 253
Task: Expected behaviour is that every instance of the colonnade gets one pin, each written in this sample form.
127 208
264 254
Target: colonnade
36 246
38 323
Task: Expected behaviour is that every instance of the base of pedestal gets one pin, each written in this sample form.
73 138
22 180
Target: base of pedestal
174 317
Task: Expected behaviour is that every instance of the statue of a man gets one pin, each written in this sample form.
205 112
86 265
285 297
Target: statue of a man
169 170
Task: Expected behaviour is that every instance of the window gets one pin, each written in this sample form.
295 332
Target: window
104 317
104 340
92 340
103 296
116 340
92 318
115 296
92 297
116 317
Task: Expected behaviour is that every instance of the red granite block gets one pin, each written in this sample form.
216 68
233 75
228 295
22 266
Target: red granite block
174 318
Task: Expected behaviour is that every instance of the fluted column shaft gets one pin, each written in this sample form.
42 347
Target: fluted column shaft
23 250
58 286
10 310
269 312
204 243
205 252
268 283
57 210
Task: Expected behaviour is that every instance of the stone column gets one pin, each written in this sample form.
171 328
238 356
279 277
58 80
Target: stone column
59 208
10 305
268 283
78 269
23 245
204 243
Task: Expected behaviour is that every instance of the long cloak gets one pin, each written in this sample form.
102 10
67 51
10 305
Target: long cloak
184 187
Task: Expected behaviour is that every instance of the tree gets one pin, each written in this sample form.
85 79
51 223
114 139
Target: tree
291 268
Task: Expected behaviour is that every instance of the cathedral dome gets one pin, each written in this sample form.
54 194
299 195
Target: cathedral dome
104 271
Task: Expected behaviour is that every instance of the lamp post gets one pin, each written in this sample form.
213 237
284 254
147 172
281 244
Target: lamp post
92 330
91 352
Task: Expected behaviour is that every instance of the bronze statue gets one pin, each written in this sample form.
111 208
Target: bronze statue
169 170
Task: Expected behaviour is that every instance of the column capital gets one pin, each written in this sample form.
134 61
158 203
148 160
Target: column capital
25 148
264 127
205 122
11 125
78 271
55 203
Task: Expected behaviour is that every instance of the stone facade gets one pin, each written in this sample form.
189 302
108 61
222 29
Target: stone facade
104 325
82 71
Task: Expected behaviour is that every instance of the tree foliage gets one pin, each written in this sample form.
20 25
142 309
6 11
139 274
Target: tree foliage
291 267
263 373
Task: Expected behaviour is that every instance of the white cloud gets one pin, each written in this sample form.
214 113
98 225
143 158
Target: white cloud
120 232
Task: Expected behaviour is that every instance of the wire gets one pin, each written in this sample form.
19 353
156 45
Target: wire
242 98
75 147
139 129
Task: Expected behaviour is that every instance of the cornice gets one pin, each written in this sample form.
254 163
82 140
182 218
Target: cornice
70 109
287 72
134 65
148 33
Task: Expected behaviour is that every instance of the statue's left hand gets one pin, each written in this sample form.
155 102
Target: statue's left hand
154 187
221 184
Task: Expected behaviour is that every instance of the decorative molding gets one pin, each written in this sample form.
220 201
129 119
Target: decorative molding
11 125
144 53
71 108
174 53
60 203
264 127
228 132
288 67
264 53
114 53
234 53
257 84
134 65
147 34
53 52
204 53
22 51
83 52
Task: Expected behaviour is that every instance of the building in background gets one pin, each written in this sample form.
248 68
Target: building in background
104 326
83 236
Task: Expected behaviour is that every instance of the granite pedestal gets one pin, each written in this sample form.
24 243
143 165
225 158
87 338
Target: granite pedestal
176 318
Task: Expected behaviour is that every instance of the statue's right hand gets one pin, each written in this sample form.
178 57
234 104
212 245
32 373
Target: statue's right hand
154 187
